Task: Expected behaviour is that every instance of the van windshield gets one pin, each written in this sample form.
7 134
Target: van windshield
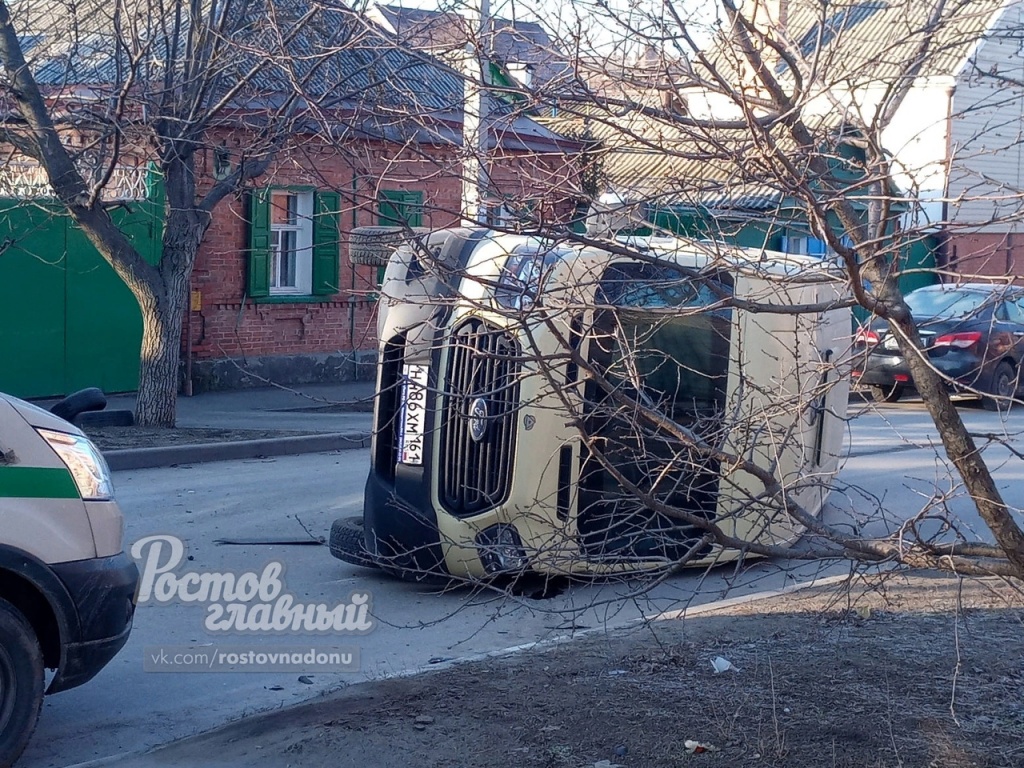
655 286
660 337
678 358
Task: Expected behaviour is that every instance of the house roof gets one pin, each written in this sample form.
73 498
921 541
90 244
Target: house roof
342 63
853 43
647 154
644 158
514 41
879 37
336 55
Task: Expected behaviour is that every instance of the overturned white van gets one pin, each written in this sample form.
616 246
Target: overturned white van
566 409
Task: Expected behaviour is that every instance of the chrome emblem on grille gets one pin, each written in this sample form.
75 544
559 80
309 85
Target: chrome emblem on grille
478 419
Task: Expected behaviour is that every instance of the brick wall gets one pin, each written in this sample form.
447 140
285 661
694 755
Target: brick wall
228 324
990 254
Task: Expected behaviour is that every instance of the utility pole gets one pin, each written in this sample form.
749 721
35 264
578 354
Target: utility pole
474 116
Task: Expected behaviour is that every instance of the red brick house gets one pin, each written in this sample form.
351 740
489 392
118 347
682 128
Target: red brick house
312 319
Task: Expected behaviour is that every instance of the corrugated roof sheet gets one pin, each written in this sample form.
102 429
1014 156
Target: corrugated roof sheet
514 41
335 56
877 39
643 158
856 42
340 61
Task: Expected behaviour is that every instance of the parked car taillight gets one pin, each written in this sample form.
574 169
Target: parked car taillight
958 340
865 336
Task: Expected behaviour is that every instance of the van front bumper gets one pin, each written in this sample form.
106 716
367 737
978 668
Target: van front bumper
402 535
103 592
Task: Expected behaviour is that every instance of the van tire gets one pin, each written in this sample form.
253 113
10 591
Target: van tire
373 246
21 682
348 543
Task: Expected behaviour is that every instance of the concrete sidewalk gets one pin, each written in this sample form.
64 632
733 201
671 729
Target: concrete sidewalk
316 418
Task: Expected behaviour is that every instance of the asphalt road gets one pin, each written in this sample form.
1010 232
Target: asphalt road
892 467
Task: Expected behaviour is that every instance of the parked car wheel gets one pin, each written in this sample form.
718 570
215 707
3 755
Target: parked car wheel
21 682
887 393
347 542
1003 388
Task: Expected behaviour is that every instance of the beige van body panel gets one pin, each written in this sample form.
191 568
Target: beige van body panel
54 530
107 523
20 442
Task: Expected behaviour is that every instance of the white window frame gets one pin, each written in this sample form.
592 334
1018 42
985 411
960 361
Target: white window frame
800 245
498 215
796 245
302 226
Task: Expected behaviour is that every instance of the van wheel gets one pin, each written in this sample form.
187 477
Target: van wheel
1003 388
21 682
347 542
373 246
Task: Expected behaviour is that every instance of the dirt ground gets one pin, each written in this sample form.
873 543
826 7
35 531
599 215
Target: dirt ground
911 671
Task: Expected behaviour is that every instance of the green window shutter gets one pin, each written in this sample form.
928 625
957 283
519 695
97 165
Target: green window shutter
326 210
396 207
414 208
389 208
259 243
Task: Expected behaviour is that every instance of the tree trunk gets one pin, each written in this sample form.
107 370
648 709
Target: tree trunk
956 439
156 404
164 309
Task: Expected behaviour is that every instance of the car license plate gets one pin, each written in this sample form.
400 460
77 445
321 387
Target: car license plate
414 414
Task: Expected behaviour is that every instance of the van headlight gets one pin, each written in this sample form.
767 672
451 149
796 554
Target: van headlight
523 274
86 464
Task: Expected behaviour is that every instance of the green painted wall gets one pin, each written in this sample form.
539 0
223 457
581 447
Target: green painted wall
918 255
744 233
66 320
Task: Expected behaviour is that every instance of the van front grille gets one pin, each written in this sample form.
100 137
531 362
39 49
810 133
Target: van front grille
478 434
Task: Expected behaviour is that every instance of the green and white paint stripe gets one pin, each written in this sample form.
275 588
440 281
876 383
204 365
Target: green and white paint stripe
36 483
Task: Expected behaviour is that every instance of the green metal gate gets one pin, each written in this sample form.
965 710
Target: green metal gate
66 320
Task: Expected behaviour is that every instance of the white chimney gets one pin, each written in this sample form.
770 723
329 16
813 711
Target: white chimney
767 14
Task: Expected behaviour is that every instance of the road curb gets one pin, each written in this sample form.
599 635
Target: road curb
199 453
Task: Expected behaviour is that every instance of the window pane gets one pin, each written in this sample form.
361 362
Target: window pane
283 209
652 286
292 239
284 259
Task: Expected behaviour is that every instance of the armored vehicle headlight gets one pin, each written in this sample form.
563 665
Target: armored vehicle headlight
84 461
